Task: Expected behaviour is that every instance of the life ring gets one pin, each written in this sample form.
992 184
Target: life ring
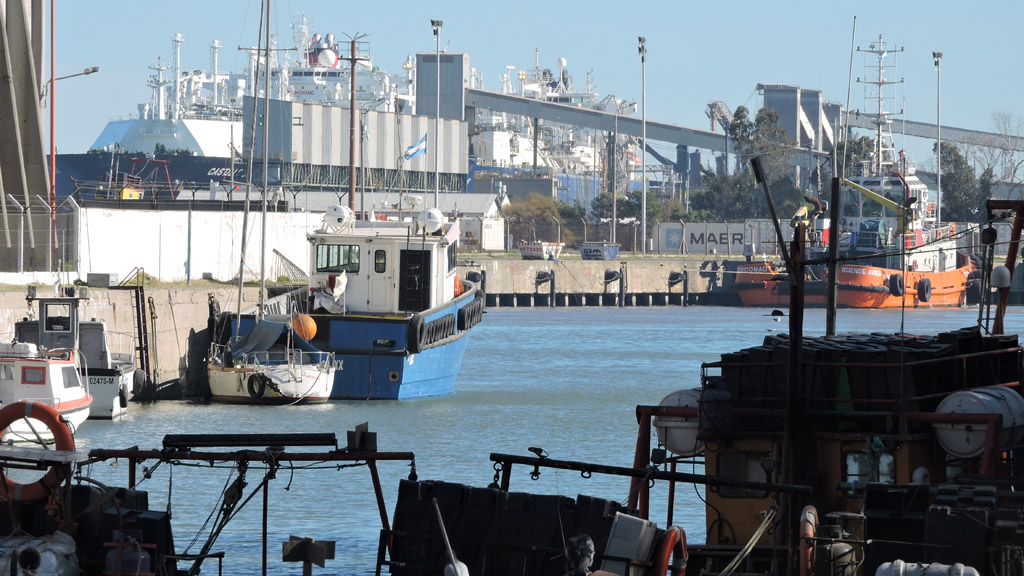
63 440
924 289
257 385
808 522
671 553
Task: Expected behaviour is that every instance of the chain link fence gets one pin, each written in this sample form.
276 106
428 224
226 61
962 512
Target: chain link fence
26 242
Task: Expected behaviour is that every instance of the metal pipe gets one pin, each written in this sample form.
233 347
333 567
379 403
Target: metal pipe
21 233
53 146
643 474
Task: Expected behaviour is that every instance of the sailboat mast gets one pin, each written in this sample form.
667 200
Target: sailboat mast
266 156
248 187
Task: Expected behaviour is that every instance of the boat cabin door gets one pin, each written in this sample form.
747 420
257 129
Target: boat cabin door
414 280
382 278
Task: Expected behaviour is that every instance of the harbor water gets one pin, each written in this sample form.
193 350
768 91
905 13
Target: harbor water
566 380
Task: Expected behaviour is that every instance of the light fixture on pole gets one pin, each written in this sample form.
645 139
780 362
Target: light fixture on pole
643 141
937 57
50 91
436 25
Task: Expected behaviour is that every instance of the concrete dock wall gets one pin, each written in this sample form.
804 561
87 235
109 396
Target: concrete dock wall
178 312
646 282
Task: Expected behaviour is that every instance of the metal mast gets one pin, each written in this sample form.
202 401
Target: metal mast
883 154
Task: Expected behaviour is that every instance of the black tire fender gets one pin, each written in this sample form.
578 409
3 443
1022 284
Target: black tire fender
924 289
138 382
896 287
257 385
414 338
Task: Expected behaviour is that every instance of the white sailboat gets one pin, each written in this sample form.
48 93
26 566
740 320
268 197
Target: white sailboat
269 360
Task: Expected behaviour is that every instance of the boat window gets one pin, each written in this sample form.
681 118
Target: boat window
33 375
337 258
58 317
380 261
453 253
6 372
70 374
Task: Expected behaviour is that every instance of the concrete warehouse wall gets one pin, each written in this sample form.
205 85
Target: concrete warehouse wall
116 241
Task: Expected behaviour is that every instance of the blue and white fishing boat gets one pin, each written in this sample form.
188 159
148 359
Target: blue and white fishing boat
388 302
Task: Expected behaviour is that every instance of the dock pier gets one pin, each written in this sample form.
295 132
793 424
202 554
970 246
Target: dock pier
640 282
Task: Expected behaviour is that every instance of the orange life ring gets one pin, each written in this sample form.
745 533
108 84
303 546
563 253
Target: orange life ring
458 286
808 521
671 553
63 440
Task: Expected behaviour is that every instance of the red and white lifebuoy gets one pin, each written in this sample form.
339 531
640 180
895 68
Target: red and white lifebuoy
671 553
808 522
63 440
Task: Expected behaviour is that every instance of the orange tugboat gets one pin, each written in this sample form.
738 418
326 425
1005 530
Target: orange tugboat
893 250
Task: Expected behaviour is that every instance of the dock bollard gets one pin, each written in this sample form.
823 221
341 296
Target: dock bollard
686 287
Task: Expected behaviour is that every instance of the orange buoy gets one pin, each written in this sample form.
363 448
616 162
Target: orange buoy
458 286
304 326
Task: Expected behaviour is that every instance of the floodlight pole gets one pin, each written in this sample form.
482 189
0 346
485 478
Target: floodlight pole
643 142
436 25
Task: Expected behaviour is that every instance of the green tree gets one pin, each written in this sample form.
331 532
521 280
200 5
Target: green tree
857 151
761 137
535 213
962 199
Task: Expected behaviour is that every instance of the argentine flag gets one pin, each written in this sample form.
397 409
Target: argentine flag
416 149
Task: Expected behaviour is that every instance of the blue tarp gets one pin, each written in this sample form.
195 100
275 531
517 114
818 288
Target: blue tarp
264 335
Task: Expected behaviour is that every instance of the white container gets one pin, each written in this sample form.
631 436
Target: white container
679 434
968 440
630 537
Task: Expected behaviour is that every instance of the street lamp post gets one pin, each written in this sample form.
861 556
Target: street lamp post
937 57
49 91
436 25
643 141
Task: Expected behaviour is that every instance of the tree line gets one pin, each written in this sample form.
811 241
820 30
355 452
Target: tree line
735 196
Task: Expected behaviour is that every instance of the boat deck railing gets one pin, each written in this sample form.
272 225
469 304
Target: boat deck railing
278 357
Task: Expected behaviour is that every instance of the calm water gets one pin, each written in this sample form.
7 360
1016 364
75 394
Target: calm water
565 379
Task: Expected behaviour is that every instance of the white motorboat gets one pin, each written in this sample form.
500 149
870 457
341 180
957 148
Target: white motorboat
50 376
106 360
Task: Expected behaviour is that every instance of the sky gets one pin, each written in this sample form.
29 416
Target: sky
697 52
